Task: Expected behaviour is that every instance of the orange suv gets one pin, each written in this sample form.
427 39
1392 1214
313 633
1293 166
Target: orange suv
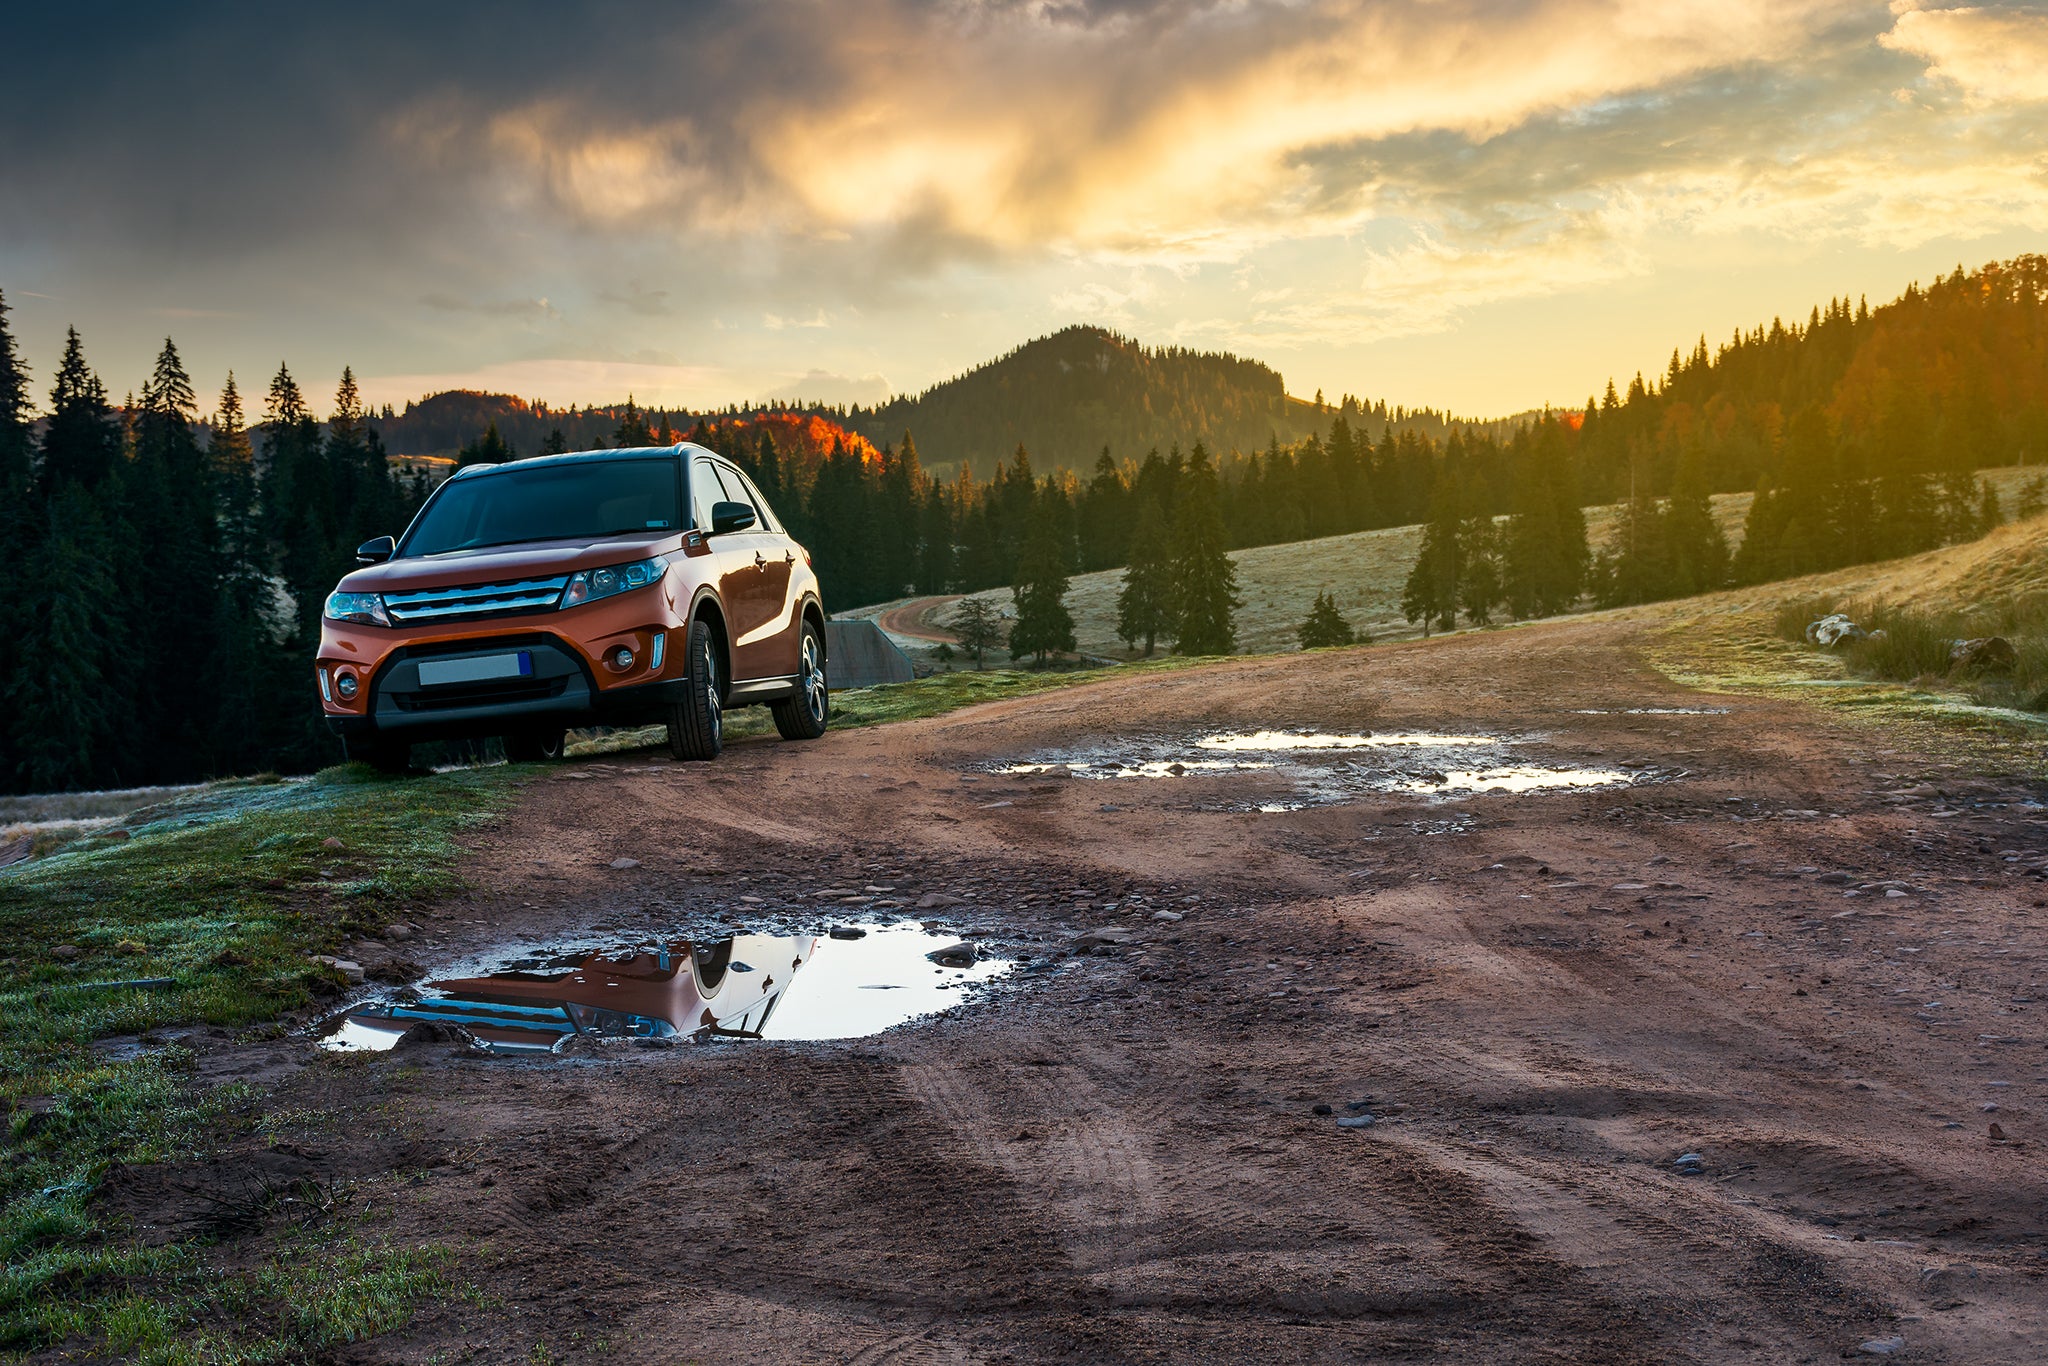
602 588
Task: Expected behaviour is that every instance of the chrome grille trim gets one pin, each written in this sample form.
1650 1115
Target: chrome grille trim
476 599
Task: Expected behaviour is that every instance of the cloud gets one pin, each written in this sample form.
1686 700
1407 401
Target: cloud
956 173
1995 55
824 386
532 310
566 380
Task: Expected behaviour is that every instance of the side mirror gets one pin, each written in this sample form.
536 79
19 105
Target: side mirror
375 552
730 517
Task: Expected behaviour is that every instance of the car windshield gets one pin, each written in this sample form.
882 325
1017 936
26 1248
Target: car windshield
549 503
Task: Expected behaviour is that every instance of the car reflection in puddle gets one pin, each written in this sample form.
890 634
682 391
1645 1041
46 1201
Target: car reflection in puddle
1327 768
744 987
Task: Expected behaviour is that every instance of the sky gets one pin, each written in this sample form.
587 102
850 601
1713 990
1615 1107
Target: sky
1475 205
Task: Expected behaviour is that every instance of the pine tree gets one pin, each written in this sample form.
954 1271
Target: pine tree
633 429
1143 603
170 614
1482 576
488 449
1430 594
555 444
1043 626
1695 547
17 439
1204 579
82 443
977 625
1325 625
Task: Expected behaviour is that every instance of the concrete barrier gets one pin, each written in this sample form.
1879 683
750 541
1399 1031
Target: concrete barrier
858 655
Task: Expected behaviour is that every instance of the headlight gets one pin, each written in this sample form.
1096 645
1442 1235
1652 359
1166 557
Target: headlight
364 607
588 585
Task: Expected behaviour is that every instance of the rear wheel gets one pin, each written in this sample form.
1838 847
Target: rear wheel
386 756
696 723
536 746
804 716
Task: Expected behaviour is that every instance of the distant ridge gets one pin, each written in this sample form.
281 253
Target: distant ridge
1062 397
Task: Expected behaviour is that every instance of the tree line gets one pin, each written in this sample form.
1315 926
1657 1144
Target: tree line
1860 431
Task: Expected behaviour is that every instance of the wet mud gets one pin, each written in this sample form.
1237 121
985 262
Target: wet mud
1700 1070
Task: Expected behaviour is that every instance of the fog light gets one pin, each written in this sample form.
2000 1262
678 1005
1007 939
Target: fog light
345 685
620 658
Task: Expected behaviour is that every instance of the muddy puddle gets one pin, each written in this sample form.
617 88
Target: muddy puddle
1301 768
854 981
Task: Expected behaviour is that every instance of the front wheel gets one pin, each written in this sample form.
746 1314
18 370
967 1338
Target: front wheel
696 726
536 746
804 716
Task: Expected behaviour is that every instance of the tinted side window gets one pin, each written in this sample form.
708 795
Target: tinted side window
768 517
704 491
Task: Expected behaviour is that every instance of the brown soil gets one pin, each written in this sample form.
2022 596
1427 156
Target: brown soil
913 619
1118 1159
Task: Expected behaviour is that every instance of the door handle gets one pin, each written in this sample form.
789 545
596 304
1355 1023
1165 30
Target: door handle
789 557
760 561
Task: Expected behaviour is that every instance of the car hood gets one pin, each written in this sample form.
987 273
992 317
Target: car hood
505 563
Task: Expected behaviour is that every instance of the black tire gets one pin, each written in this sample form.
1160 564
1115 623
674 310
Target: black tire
536 746
805 716
696 725
386 756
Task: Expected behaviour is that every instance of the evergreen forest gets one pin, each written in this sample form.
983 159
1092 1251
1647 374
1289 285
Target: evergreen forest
167 559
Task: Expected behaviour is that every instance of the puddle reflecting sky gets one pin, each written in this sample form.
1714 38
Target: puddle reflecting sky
1326 768
745 987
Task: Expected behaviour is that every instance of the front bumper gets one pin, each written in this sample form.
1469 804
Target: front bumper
558 685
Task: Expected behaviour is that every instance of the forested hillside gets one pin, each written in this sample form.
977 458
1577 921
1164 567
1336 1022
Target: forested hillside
170 569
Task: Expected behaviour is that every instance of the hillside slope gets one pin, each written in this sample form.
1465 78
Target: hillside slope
1365 571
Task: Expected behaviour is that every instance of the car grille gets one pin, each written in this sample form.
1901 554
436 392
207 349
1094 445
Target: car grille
475 600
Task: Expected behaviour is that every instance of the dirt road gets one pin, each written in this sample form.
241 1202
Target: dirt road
1545 1001
912 619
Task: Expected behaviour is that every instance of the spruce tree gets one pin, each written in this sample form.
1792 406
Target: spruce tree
168 495
19 524
1325 625
1695 547
1430 594
1044 626
633 429
977 625
1204 579
488 449
82 443
1144 602
17 410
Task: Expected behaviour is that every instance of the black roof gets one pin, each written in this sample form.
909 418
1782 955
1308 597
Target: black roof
681 448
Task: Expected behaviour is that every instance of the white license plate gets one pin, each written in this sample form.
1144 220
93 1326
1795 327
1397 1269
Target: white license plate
482 668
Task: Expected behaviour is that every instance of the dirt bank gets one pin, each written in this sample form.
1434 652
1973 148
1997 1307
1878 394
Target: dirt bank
1544 1001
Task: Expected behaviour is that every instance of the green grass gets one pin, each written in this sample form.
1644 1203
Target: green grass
1912 645
222 892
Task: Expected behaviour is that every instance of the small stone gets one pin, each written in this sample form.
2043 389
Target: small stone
1997 1132
65 952
350 969
1833 879
331 842
1167 915
1882 1347
932 901
960 955
621 864
1356 1122
400 932
847 932
1321 1110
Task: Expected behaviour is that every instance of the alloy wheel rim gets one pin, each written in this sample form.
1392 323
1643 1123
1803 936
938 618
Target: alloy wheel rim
814 678
711 686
